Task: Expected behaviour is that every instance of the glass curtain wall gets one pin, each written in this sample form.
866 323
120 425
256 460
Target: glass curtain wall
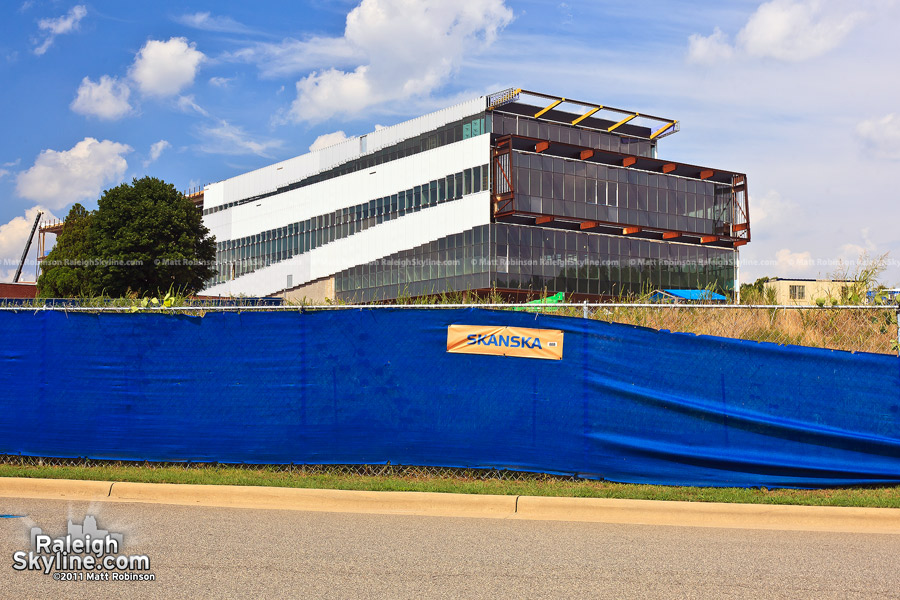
572 188
536 259
453 263
247 254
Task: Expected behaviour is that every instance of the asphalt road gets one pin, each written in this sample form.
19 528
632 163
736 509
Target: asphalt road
198 552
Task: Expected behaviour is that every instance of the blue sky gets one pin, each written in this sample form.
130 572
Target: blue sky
802 95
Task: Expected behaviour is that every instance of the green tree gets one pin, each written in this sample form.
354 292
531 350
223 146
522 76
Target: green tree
66 272
757 292
151 238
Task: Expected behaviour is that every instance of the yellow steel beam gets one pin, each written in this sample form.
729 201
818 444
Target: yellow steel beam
623 121
504 98
586 115
662 129
551 107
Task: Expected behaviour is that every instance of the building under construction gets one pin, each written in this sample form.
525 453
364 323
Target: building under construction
520 192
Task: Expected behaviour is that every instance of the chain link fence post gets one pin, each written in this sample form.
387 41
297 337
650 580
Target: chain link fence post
584 310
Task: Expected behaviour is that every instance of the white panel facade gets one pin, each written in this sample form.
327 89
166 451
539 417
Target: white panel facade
270 178
374 243
348 190
352 189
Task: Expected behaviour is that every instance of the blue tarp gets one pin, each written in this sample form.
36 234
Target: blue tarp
686 295
375 386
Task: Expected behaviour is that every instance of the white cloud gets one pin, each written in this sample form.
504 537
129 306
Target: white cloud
851 253
187 104
792 263
59 178
322 95
709 49
771 212
165 68
106 99
764 207
797 30
293 57
156 151
13 236
221 82
881 136
59 26
4 173
209 22
785 30
409 49
328 139
225 138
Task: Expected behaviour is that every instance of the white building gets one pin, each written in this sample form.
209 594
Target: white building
518 191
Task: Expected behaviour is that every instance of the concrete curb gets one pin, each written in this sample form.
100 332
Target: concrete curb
409 503
712 514
593 510
53 489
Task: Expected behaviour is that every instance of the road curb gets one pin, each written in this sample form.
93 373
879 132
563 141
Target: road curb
53 489
412 503
594 510
711 514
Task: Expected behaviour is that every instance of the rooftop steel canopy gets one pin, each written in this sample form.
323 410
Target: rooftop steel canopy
585 114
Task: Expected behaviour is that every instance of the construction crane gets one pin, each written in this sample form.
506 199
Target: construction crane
37 219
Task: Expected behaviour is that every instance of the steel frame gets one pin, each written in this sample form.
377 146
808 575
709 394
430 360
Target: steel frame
733 232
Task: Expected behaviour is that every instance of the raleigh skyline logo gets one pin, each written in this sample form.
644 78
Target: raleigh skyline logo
86 553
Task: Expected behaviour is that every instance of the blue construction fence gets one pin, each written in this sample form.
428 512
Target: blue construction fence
372 386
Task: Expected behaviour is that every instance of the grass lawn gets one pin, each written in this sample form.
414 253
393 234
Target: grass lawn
526 485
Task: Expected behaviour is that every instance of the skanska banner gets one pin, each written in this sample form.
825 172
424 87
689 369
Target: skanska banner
454 387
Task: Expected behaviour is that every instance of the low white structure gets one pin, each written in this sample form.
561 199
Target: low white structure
809 292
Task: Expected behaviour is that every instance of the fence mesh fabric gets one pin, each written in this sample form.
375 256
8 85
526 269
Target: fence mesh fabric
362 392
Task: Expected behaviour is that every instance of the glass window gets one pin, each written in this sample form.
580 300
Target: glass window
558 185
